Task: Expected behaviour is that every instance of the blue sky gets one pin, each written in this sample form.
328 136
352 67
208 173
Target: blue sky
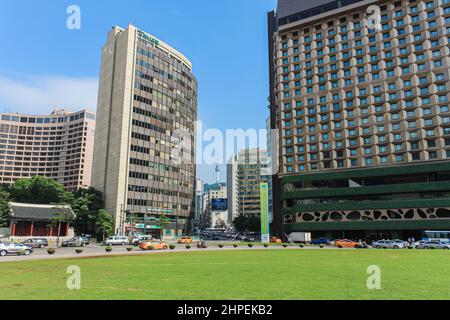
43 64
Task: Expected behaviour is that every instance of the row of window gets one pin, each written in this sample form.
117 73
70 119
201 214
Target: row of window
400 158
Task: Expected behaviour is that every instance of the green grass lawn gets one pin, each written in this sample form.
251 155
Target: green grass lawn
271 274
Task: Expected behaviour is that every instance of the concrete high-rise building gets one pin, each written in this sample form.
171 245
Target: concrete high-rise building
360 95
250 174
246 171
199 195
57 146
232 188
147 94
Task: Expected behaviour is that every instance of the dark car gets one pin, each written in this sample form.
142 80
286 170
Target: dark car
320 241
36 243
76 242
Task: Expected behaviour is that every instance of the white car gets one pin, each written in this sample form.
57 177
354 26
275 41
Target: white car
388 244
116 241
14 248
418 244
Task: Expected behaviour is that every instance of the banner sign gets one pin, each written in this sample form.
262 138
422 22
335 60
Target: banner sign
264 198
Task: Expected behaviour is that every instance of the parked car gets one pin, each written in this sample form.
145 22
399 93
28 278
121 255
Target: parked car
345 243
153 245
116 241
36 243
249 239
388 244
300 237
185 240
76 242
275 240
417 244
14 248
405 243
320 241
139 239
434 245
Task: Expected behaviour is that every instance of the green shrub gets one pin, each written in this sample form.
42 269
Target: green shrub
235 245
266 245
221 246
172 247
129 249
108 249
285 245
301 246
250 245
51 251
78 251
321 246
188 247
410 247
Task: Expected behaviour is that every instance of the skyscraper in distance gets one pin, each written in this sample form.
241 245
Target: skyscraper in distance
147 93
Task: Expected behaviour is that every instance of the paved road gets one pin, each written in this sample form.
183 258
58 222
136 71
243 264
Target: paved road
99 251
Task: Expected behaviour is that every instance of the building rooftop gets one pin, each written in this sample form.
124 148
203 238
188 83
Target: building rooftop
27 211
289 11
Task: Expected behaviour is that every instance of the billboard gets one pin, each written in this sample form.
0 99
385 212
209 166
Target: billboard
219 204
219 219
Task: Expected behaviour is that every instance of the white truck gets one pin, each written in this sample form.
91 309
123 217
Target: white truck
300 237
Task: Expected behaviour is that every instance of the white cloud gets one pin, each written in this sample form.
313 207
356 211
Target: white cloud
41 94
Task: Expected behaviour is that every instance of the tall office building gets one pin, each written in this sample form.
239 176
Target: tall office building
58 146
250 174
360 94
245 172
232 188
147 94
199 195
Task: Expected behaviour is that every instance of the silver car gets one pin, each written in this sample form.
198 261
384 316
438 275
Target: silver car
434 245
14 248
417 244
388 244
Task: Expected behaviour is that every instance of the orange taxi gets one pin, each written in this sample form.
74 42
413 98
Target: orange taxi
345 243
153 245
185 240
275 240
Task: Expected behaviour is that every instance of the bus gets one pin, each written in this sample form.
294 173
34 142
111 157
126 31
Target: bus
441 236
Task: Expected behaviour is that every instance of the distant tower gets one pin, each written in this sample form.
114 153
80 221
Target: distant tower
218 174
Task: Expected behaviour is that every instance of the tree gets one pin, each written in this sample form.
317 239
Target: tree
85 205
39 190
104 223
247 223
61 213
163 221
4 205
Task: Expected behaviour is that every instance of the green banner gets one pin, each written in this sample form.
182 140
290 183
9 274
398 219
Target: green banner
264 198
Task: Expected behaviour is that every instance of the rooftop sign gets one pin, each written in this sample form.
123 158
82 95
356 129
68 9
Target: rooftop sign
146 36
